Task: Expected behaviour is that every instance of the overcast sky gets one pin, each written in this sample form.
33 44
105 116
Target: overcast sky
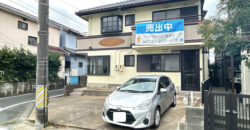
63 11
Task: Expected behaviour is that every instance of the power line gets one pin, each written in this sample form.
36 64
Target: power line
31 7
71 4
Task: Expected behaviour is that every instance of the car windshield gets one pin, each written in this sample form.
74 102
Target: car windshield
139 85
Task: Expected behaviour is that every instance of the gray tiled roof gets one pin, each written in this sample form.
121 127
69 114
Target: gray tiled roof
127 2
124 4
34 18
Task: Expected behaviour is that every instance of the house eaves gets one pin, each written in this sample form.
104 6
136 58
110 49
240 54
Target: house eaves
34 18
122 5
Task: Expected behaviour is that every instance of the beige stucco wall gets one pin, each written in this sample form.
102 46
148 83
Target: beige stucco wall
190 33
12 36
245 78
119 77
141 14
94 42
61 72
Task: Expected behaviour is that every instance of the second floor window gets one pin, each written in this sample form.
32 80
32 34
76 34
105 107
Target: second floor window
32 41
166 15
80 64
130 20
22 25
111 24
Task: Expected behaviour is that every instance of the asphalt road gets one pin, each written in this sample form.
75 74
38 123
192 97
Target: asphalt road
12 108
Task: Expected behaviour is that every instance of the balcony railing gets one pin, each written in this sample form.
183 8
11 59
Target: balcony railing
189 19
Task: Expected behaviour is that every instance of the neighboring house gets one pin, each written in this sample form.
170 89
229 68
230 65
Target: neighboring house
19 29
75 64
116 52
245 71
245 77
241 71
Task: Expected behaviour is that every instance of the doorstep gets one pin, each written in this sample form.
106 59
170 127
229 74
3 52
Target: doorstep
96 92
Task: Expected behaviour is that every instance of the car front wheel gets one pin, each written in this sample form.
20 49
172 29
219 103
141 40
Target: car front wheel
157 118
174 101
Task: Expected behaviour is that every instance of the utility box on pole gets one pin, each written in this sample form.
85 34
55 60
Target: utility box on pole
42 66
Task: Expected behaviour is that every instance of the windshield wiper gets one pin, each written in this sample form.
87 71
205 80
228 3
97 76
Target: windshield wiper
131 91
146 91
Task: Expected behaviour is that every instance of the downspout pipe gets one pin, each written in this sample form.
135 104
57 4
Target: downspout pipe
203 66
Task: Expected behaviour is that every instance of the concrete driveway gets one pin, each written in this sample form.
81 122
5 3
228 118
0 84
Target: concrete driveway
86 112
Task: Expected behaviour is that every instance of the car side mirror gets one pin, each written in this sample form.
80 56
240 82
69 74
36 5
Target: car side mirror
163 90
118 87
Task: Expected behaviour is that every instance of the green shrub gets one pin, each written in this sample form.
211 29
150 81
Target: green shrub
54 66
20 65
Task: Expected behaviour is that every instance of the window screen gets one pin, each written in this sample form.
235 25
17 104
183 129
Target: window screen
32 41
166 15
22 25
99 65
129 20
165 63
111 24
129 60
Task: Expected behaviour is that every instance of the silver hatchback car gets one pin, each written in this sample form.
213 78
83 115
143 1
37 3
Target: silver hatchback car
140 101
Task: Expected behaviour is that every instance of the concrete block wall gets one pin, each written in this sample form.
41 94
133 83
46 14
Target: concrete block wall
17 88
194 119
83 81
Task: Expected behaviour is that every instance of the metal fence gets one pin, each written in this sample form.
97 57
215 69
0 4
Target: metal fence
226 111
206 86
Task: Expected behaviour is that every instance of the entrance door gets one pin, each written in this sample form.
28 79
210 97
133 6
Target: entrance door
190 76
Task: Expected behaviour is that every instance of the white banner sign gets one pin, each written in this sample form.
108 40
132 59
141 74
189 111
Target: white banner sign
164 32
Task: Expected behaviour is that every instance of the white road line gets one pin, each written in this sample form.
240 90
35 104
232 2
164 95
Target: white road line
55 90
16 96
27 94
2 109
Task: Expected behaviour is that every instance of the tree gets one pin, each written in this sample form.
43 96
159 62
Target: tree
54 65
225 31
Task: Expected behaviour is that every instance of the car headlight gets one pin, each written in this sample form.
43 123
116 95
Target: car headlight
106 103
145 105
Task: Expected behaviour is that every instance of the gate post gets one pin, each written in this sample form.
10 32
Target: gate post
233 106
206 107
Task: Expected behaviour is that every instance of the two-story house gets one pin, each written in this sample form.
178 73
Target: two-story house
75 64
145 37
18 29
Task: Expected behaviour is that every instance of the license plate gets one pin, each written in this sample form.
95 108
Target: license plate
119 116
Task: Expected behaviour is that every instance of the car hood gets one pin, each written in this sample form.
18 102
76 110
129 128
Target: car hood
126 99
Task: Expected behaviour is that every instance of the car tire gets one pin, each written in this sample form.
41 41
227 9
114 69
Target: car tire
174 101
157 118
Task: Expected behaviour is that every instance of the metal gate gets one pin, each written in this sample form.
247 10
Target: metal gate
225 111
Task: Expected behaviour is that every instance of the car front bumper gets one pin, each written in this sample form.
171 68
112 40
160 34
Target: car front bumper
135 118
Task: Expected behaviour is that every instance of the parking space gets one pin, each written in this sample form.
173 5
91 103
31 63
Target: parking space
86 112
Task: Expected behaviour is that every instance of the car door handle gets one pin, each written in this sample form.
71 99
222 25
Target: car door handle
226 111
236 112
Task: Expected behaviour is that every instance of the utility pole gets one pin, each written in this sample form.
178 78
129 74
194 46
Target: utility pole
232 58
232 73
42 66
